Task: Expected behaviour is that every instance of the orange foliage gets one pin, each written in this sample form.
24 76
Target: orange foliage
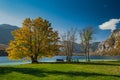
36 38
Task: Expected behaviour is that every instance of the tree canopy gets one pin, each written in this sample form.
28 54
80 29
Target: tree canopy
86 36
36 39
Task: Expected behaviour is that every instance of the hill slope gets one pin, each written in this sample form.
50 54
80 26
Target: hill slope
5 33
109 44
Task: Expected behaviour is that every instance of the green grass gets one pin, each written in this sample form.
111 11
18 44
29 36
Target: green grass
63 71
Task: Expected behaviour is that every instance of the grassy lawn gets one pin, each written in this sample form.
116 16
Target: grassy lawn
78 71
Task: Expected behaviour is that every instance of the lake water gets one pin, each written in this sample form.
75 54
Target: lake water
5 61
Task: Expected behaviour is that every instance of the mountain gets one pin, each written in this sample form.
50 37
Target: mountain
109 44
79 49
2 50
3 46
5 33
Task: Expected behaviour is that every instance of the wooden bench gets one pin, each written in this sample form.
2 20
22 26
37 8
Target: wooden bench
59 60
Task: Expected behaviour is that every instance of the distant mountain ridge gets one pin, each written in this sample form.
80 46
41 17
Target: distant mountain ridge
79 47
5 33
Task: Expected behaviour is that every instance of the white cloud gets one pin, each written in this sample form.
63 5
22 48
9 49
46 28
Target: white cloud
109 25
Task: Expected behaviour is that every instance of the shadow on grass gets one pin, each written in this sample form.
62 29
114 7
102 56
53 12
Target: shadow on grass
45 73
86 63
100 63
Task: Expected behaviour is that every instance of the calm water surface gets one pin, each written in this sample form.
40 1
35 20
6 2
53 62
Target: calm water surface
5 61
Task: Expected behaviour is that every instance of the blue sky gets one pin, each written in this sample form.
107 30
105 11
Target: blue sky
63 14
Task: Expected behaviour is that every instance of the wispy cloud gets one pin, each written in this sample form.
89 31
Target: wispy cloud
109 25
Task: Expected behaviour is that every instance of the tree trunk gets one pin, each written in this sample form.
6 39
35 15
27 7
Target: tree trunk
88 57
34 59
68 58
88 53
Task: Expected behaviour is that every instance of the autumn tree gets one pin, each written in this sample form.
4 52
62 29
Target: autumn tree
68 41
36 39
86 36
